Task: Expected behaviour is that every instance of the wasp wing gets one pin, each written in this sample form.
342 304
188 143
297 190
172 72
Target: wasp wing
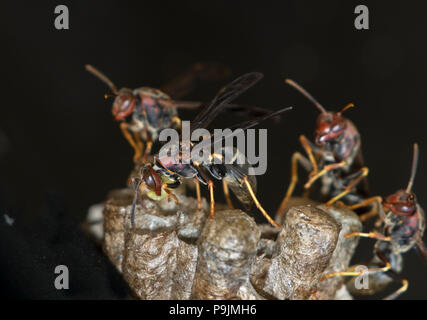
181 104
254 122
235 180
239 169
247 125
223 98
188 80
243 125
238 109
251 111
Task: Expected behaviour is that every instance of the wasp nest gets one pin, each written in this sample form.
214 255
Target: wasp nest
174 252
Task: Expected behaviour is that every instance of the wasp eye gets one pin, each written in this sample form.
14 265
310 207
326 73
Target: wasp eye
152 180
123 105
336 128
125 101
149 181
411 197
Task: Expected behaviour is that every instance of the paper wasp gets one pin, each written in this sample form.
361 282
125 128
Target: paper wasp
145 111
400 228
335 157
165 173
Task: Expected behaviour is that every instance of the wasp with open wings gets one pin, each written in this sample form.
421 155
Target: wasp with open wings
165 173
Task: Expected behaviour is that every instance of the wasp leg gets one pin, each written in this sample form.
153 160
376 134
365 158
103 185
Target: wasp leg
227 194
306 193
372 235
399 291
355 273
387 265
314 294
177 122
404 282
387 269
254 198
171 194
349 272
368 202
322 172
296 158
199 197
139 144
212 204
347 189
130 139
309 150
205 179
308 147
352 273
148 146
139 187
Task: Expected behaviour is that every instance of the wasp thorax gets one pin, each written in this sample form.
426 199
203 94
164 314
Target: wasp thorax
401 203
124 104
330 128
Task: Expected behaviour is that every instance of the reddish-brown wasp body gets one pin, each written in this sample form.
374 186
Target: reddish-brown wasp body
145 111
403 221
335 157
400 228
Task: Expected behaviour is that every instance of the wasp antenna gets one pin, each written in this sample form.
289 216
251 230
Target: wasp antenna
414 168
306 94
107 96
350 105
135 186
102 77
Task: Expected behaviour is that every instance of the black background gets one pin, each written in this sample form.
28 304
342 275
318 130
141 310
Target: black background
60 150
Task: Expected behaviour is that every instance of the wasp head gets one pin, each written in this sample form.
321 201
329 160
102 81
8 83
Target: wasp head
124 104
330 128
330 125
152 180
401 203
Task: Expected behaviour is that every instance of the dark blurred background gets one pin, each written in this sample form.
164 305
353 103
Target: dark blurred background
61 151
